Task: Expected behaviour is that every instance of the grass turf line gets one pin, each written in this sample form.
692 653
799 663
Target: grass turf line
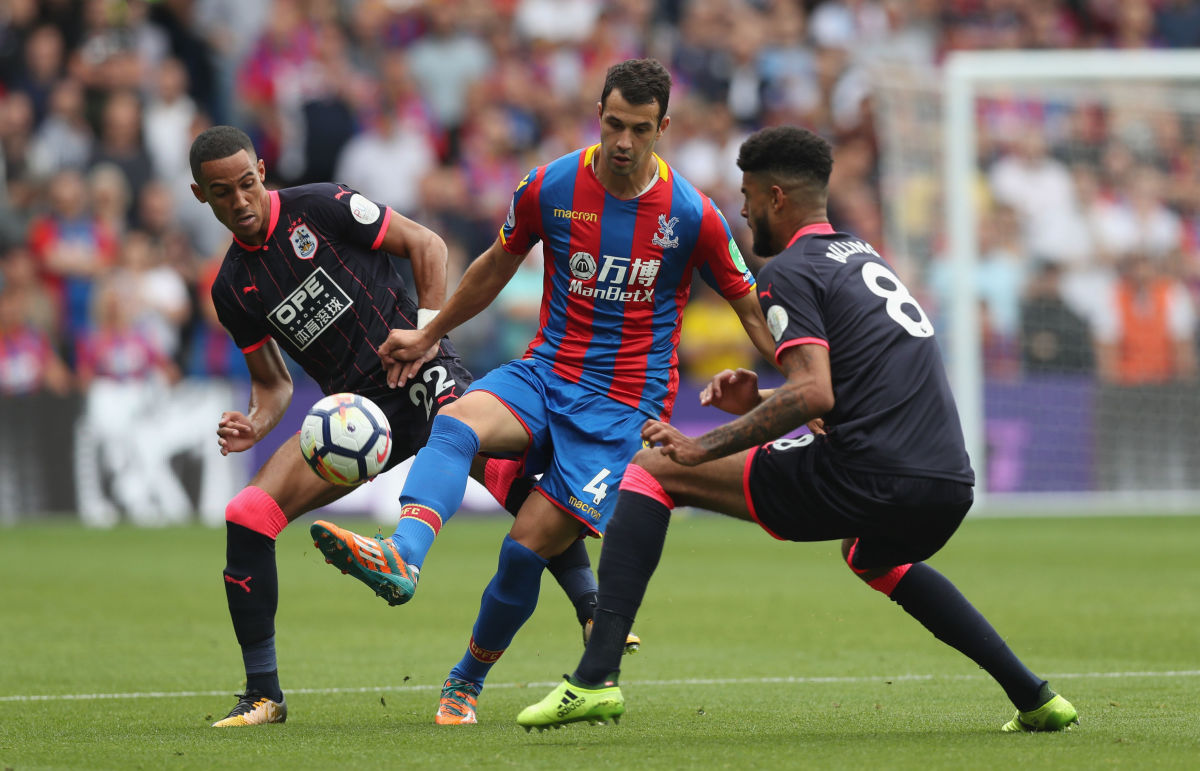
143 610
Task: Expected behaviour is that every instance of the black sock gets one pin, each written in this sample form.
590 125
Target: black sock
633 544
518 491
252 591
266 683
573 571
932 599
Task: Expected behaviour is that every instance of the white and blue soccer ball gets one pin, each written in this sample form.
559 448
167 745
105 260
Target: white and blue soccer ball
346 439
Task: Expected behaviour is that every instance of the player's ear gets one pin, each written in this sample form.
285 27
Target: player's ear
599 109
199 193
262 170
662 126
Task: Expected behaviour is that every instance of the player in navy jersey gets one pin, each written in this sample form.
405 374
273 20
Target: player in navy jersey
308 273
885 470
622 234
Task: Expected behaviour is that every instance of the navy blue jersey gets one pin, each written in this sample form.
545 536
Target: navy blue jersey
893 411
320 286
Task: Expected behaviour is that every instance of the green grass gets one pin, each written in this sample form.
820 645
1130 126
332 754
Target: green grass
1088 602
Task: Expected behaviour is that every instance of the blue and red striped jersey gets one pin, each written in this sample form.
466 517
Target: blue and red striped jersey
618 273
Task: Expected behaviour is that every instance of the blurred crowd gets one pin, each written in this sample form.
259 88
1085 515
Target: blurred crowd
438 108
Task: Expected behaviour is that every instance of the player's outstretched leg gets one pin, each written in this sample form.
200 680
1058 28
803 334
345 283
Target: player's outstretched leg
932 599
253 520
374 561
572 703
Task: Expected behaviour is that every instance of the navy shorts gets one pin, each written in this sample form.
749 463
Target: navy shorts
797 492
410 410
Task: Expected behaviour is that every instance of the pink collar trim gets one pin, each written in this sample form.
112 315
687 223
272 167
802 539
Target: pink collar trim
822 228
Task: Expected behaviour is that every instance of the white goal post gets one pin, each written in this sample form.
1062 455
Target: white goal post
952 96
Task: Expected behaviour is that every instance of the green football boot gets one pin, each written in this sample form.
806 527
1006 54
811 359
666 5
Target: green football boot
1058 714
570 703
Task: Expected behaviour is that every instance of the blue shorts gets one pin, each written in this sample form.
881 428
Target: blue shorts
580 441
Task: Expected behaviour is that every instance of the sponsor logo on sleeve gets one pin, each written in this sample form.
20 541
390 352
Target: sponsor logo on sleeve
777 321
739 262
363 209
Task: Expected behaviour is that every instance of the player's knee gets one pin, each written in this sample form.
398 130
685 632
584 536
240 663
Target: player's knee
255 510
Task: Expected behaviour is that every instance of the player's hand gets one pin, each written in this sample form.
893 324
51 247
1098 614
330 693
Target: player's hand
734 391
234 433
816 425
680 448
403 354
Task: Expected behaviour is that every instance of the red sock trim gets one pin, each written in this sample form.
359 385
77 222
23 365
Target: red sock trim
424 514
885 583
498 476
888 582
639 480
482 654
254 510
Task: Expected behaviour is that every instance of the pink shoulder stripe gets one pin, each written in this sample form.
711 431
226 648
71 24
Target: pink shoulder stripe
387 218
800 341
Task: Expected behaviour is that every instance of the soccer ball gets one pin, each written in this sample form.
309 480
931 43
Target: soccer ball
346 439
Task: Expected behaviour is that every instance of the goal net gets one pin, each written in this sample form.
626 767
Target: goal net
1047 204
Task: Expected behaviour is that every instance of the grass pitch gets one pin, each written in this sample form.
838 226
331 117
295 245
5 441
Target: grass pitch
118 653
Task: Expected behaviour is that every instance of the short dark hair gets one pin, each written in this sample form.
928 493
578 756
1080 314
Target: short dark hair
218 142
788 152
640 81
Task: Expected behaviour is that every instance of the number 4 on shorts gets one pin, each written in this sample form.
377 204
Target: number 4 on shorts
597 488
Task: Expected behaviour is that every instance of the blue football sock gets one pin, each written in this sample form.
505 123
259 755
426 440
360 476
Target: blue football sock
508 602
435 487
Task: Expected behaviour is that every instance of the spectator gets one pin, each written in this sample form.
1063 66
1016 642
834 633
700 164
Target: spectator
167 121
120 142
72 249
1146 356
157 297
1054 338
28 362
445 62
108 191
64 139
39 306
43 67
388 160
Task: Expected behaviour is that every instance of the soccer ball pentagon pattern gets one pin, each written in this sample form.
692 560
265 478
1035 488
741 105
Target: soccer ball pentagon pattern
346 439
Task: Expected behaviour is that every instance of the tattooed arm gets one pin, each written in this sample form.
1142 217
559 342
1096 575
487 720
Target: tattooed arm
807 394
